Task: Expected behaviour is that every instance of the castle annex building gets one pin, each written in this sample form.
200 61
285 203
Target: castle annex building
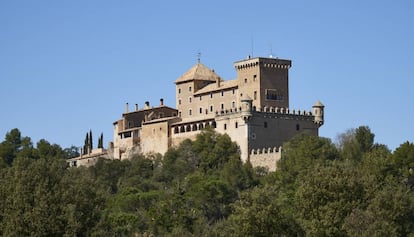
252 109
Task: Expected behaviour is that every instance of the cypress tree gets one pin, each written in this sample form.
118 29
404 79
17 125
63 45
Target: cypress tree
86 146
90 140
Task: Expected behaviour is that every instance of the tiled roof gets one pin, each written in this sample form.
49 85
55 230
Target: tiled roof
198 72
213 87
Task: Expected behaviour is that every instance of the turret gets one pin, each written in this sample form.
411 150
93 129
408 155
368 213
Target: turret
246 107
318 108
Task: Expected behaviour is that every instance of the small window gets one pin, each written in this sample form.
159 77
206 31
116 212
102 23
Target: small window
222 93
225 126
211 95
254 77
297 127
236 125
189 99
179 114
234 91
233 104
179 90
211 108
189 88
201 97
190 112
255 95
265 124
245 80
201 110
179 101
222 106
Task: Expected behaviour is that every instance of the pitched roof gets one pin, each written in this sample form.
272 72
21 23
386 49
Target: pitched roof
213 87
318 104
198 72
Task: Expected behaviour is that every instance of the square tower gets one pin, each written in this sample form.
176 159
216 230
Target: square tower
265 80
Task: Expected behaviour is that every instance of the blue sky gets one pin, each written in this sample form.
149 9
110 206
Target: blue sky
70 66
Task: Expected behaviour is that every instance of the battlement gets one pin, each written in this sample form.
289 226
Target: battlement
271 111
265 157
263 62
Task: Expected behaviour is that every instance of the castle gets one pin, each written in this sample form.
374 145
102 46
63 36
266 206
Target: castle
252 109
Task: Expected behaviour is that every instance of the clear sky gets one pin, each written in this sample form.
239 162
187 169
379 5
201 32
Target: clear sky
70 66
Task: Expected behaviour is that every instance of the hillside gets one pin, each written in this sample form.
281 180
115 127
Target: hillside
201 188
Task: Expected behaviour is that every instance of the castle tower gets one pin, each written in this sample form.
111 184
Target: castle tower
189 83
318 112
265 80
246 107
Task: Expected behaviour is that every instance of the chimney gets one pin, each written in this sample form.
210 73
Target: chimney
147 105
161 102
136 107
218 81
126 108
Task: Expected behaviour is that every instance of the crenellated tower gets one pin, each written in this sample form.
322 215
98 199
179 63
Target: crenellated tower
265 80
318 113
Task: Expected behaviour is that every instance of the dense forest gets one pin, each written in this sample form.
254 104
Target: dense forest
353 187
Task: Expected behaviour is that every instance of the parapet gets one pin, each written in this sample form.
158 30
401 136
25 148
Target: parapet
265 157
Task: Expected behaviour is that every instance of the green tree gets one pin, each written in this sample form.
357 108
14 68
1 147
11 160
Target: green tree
326 196
301 154
259 212
90 142
214 150
211 195
71 152
389 213
355 143
46 150
403 160
13 145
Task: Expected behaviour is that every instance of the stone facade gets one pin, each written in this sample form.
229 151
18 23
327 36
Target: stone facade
252 109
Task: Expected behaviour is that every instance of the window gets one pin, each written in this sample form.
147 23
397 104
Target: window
297 127
225 126
189 88
255 95
179 90
245 80
211 108
189 99
179 101
265 124
234 91
179 114
233 104
211 94
222 106
190 112
254 77
201 110
201 98
236 125
273 94
222 93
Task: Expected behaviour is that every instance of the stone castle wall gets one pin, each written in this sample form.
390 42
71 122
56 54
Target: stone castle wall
266 157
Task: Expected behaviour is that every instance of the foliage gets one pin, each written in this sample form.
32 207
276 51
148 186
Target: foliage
202 188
